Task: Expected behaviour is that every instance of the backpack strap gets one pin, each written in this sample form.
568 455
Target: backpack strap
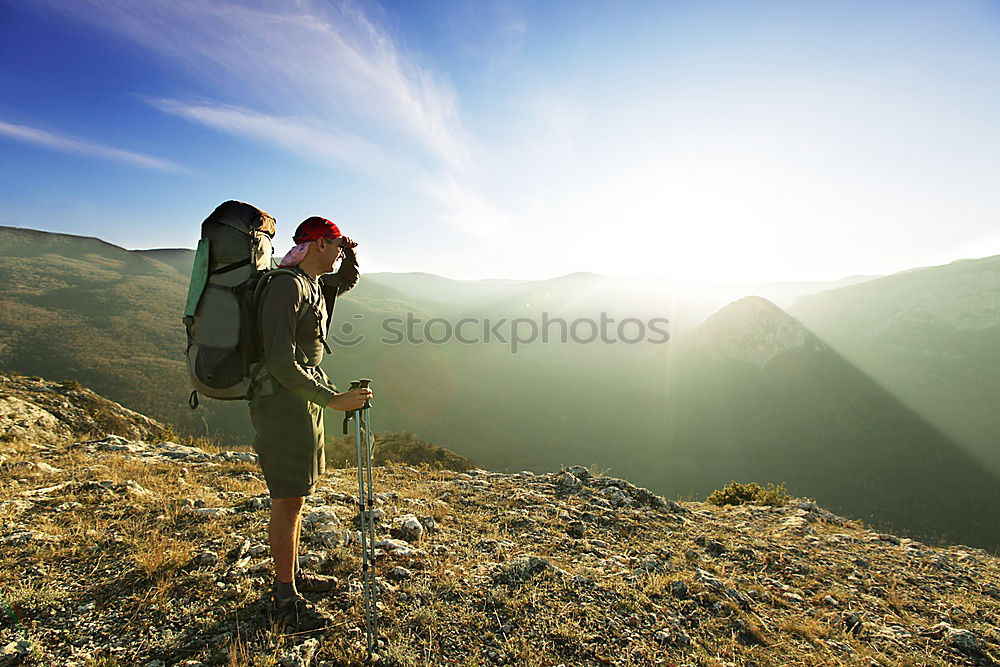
312 296
266 277
256 379
230 267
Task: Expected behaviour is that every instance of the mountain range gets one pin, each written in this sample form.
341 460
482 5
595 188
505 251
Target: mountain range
873 392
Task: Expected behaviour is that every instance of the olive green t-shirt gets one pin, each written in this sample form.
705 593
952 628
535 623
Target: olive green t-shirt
294 313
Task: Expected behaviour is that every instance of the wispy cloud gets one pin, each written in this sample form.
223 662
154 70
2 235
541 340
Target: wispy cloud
320 79
66 144
298 135
461 207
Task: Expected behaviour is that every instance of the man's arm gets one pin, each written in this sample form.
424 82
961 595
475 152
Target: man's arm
279 309
345 278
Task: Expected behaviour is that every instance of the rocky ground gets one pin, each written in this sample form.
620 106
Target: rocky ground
121 546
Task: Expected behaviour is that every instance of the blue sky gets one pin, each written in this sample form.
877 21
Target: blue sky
707 141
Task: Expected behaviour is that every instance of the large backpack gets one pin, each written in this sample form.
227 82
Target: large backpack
220 315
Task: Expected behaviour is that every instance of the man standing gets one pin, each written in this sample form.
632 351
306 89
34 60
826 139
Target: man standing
290 393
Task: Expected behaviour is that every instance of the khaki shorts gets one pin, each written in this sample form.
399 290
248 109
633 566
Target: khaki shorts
289 442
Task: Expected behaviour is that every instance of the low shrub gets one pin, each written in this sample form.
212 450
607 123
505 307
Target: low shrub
404 448
752 493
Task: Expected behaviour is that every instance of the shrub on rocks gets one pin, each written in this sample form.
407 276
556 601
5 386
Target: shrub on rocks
753 493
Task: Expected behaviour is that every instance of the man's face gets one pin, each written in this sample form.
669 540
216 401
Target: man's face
329 252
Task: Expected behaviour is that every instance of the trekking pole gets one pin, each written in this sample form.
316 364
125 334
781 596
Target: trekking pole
370 442
366 503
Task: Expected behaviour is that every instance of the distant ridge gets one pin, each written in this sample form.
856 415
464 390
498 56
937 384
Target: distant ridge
931 335
761 403
751 329
38 233
180 259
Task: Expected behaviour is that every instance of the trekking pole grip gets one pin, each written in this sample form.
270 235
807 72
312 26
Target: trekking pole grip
363 383
349 415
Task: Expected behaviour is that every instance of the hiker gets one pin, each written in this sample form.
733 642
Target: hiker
287 403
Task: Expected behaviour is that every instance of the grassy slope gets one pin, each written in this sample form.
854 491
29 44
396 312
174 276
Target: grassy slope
116 579
80 309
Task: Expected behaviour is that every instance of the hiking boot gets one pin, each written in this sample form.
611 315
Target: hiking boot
296 614
314 583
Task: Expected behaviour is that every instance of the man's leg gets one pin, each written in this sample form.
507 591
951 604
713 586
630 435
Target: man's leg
286 520
291 609
298 534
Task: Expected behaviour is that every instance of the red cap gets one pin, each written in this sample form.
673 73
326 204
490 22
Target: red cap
314 228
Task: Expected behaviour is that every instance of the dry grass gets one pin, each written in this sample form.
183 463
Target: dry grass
138 548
